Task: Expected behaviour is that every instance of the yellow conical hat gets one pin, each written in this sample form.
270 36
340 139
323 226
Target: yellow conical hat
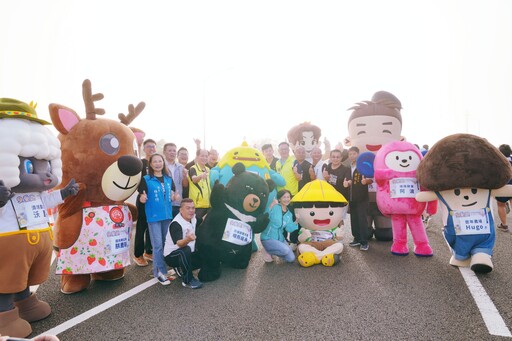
318 191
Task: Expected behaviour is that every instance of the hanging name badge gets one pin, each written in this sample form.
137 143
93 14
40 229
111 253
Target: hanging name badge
403 188
372 187
321 236
117 229
471 222
237 232
30 210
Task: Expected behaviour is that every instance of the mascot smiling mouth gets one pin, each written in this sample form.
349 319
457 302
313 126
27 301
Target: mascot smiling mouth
404 166
125 187
469 204
373 147
126 168
321 222
241 158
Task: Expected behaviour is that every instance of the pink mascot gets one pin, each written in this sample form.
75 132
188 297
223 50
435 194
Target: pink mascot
395 173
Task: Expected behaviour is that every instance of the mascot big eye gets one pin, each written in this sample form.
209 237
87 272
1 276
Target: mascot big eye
464 171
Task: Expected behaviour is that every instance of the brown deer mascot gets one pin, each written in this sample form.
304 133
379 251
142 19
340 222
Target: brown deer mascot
92 231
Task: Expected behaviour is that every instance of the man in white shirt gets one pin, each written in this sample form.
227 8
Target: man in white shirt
178 174
180 244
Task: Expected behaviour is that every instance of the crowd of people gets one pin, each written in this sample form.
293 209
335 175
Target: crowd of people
174 197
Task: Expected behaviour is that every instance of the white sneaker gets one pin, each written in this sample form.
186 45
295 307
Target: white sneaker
164 280
266 256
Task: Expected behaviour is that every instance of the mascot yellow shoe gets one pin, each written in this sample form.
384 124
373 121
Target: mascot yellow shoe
330 259
308 259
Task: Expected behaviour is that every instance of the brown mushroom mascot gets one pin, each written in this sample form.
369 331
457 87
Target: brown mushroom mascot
92 231
464 171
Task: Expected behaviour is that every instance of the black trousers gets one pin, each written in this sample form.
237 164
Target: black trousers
185 260
142 241
359 221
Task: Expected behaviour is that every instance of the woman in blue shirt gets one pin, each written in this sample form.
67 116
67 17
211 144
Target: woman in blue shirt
157 192
281 218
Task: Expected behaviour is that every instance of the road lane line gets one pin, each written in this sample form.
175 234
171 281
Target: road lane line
98 309
491 316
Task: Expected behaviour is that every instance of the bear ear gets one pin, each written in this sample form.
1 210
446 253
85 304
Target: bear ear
238 168
271 185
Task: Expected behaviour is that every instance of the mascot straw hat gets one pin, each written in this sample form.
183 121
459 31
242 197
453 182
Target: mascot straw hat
13 108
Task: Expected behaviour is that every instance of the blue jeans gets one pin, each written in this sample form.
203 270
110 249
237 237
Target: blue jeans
278 248
158 231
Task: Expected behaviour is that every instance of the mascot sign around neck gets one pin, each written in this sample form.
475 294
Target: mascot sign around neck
102 155
237 213
395 174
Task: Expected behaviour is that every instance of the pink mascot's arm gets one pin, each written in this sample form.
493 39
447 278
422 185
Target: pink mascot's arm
382 176
431 205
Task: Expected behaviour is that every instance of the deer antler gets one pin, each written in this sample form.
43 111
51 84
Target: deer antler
133 112
90 110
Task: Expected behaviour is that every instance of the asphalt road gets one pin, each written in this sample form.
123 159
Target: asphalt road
371 295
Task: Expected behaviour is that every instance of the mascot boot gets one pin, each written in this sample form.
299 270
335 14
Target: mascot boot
423 249
113 275
69 284
330 259
11 324
460 263
481 263
32 309
308 259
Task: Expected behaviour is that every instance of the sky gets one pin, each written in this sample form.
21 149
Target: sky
229 71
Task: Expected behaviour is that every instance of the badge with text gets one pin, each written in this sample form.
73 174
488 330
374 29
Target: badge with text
30 210
403 188
237 232
471 222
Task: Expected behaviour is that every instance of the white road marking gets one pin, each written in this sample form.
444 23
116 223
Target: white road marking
492 318
490 314
98 309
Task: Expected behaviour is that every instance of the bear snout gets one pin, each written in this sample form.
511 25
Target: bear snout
129 165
